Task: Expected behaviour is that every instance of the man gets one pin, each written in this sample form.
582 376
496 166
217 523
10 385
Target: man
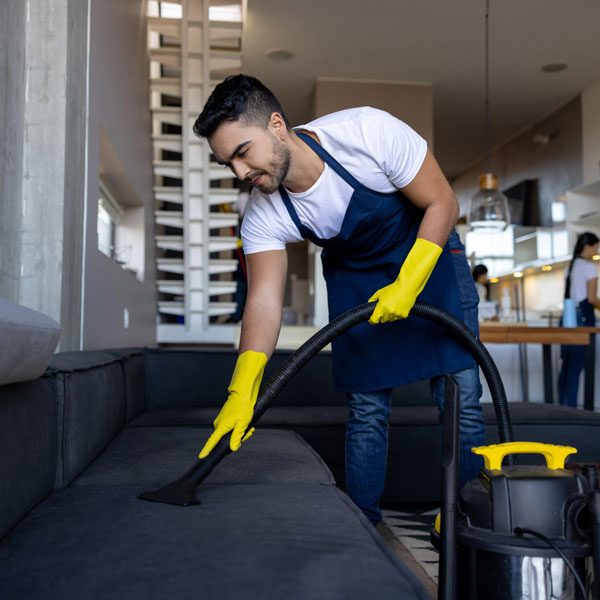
362 185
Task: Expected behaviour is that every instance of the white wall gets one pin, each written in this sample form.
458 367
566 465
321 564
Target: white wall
119 104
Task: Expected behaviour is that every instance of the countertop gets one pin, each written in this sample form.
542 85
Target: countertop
521 333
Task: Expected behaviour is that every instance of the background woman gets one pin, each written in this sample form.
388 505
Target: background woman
480 277
581 286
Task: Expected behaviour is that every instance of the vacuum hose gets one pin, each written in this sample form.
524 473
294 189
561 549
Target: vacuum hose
182 491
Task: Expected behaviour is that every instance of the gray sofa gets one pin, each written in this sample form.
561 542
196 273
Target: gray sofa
186 387
79 443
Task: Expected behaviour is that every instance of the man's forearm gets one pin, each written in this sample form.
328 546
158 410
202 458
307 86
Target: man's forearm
430 191
438 222
260 328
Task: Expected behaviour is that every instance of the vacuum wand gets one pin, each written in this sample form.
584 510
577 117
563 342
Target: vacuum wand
450 473
182 491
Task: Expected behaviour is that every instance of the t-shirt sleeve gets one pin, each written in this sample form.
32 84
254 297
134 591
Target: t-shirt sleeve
590 271
256 232
400 150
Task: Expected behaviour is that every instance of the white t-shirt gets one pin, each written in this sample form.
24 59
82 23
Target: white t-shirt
380 151
582 271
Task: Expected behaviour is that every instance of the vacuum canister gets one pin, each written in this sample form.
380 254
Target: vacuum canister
524 531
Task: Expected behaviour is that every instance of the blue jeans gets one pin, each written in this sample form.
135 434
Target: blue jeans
573 359
367 438
367 427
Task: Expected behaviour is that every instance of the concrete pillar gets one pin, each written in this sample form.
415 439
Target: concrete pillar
12 102
44 156
42 176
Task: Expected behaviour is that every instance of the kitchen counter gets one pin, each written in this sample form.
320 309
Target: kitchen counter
520 333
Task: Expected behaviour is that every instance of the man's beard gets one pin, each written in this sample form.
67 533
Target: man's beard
278 169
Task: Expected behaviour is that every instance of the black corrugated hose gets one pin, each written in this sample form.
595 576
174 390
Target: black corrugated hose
361 313
181 490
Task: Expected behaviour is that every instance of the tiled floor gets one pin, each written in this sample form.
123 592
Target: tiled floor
410 526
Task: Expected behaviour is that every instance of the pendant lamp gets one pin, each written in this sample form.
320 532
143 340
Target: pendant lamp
488 209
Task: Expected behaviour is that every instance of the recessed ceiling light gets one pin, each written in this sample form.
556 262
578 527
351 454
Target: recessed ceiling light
555 67
280 54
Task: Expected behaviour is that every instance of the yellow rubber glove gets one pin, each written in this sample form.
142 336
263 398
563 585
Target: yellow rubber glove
394 301
238 410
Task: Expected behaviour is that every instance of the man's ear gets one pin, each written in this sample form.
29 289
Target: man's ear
278 126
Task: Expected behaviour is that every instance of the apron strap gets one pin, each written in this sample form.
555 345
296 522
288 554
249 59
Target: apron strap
305 232
334 164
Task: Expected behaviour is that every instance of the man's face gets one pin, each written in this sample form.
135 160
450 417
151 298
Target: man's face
254 154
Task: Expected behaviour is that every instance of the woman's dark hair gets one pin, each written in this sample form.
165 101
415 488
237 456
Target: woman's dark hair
478 271
239 97
584 239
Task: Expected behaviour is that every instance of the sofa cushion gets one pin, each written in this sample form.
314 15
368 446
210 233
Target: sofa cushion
91 405
28 447
254 541
28 341
414 438
155 456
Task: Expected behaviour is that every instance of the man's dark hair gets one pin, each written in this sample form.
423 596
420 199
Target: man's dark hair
239 97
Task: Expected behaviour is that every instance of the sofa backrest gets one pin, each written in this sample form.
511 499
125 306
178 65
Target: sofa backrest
133 363
28 447
201 377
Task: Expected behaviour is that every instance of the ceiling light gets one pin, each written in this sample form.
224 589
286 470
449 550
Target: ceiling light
489 206
518 274
556 67
494 280
488 209
280 54
547 268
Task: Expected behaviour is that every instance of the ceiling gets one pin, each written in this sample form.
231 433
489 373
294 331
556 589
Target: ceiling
435 41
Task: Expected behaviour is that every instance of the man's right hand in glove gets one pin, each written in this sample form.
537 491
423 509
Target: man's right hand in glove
237 412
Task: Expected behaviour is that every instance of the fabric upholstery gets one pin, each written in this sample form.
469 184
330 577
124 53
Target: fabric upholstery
28 341
91 403
200 378
414 437
132 360
28 447
155 456
283 416
255 541
71 362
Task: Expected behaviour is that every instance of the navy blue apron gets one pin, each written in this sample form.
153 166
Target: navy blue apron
377 233
585 318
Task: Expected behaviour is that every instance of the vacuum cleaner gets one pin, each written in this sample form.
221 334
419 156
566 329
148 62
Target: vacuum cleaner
511 531
524 532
